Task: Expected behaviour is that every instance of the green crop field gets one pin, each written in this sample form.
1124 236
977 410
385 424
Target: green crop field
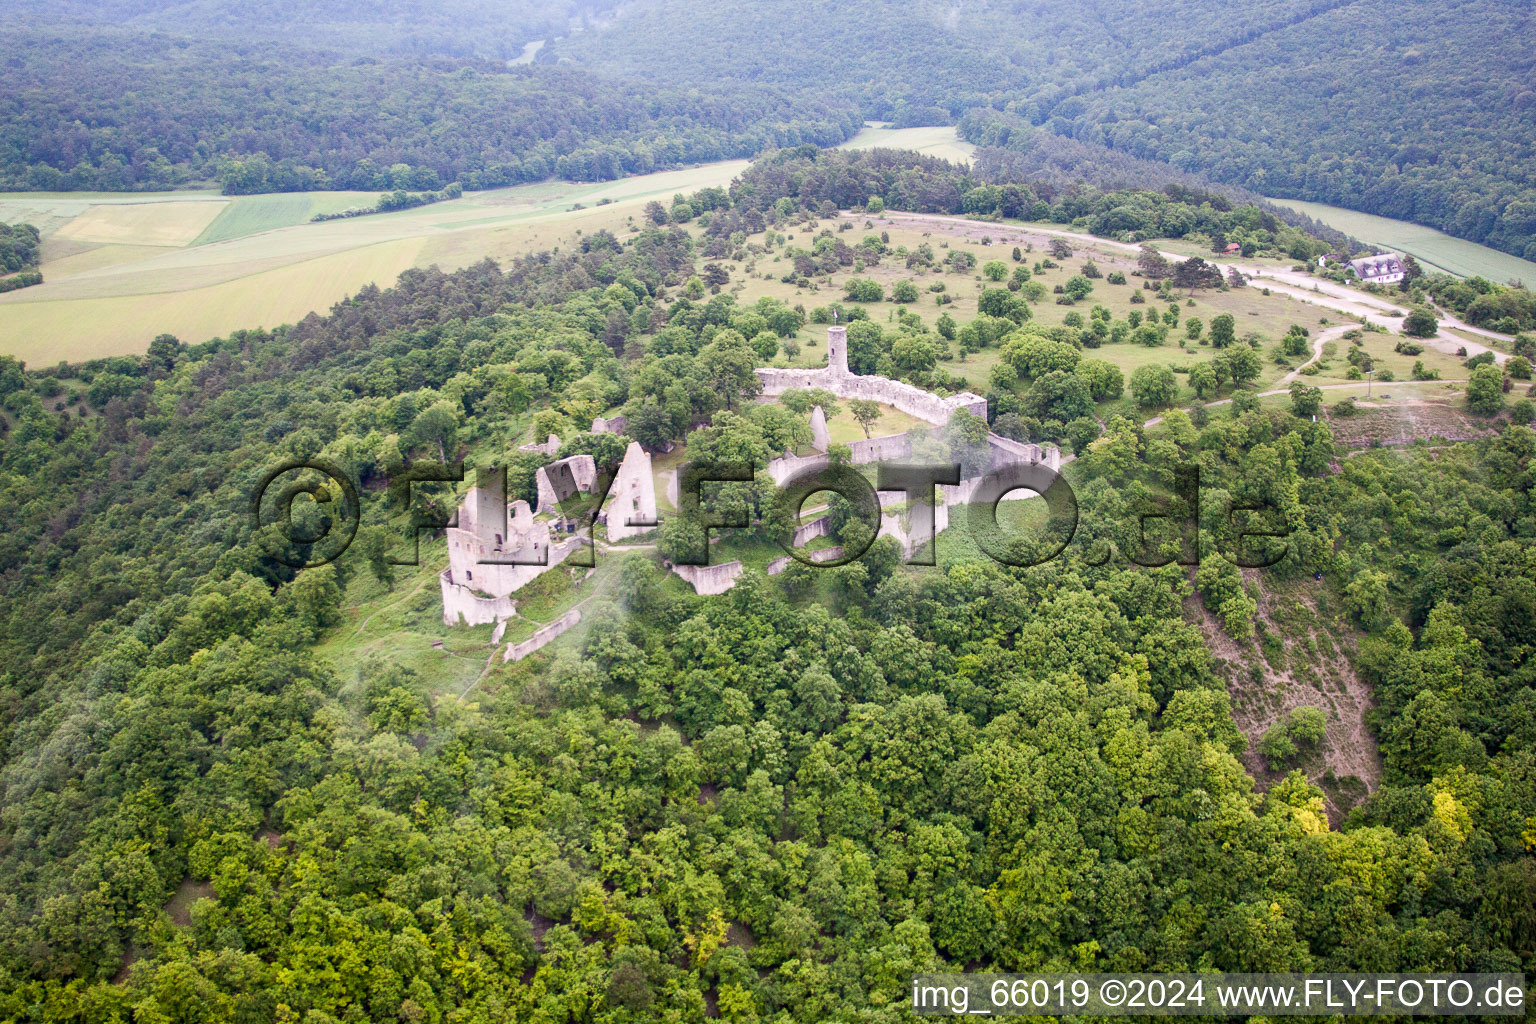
1456 255
247 215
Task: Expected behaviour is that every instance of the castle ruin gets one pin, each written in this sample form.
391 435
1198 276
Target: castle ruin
632 498
494 552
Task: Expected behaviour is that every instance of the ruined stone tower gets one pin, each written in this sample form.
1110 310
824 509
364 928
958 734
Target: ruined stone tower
837 350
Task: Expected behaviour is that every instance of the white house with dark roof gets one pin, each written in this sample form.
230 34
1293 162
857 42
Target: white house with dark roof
1383 268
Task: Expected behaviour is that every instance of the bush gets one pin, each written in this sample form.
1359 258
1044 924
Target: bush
1276 746
1308 725
862 289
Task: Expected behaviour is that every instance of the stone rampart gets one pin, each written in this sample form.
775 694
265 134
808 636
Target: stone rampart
519 651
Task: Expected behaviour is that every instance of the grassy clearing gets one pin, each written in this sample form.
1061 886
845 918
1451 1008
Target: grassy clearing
1456 255
1267 316
844 429
400 625
942 142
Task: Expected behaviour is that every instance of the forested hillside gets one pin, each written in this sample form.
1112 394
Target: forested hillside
774 804
127 112
461 28
1421 112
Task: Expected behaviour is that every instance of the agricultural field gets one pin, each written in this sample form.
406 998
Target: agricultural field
1428 246
120 270
151 223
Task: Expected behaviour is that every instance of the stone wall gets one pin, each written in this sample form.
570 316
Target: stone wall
517 652
616 425
913 401
710 579
486 532
889 448
562 479
778 565
632 498
550 445
476 593
463 606
811 530
1008 452
873 449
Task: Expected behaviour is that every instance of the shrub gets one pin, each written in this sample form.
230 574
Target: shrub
861 289
1276 746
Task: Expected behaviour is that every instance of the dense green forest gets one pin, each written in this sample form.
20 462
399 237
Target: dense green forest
1421 112
461 28
19 247
126 112
775 804
20 252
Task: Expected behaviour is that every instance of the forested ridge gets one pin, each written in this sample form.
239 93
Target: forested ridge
460 28
775 804
1420 112
118 111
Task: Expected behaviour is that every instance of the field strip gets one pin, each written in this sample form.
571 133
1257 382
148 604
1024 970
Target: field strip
1426 244
147 223
42 333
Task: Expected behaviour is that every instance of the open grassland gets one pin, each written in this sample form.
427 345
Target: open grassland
1456 255
1268 317
399 625
942 142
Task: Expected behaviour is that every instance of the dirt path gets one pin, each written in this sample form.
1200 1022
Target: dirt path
1155 420
364 624
1323 338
